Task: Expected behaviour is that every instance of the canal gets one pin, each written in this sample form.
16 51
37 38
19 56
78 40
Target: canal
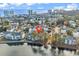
27 50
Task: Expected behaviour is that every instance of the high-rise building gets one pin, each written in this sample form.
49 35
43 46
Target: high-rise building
8 13
50 11
30 12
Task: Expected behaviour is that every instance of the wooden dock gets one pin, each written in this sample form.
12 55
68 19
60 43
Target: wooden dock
60 46
5 42
66 46
34 43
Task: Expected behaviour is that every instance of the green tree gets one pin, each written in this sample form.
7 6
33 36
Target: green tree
6 23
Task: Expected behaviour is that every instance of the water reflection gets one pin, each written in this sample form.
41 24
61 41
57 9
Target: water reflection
27 50
53 51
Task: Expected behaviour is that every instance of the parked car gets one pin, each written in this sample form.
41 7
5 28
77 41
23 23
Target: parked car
13 36
2 36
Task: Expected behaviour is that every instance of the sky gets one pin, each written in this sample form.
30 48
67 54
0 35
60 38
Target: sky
21 6
39 6
38 1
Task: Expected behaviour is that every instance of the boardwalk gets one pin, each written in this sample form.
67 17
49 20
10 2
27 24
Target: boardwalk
34 43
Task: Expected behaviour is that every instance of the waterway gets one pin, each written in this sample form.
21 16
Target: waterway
27 50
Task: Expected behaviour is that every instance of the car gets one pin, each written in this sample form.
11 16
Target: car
13 36
1 34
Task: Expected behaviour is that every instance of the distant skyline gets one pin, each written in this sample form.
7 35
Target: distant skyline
38 7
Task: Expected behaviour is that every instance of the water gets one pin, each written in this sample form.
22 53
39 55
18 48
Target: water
26 50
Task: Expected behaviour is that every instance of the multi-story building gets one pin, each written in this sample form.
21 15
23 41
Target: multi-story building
8 13
50 11
30 12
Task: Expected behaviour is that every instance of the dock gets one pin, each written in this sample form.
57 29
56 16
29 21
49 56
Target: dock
38 43
60 46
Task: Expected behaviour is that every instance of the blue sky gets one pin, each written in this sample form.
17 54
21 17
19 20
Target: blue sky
39 7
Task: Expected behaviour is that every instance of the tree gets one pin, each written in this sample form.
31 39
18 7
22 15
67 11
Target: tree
6 23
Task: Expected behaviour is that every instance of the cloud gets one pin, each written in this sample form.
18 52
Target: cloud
67 9
72 6
28 8
39 1
6 6
40 8
58 7
2 5
29 4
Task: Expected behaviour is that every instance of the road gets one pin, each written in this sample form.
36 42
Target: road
26 50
